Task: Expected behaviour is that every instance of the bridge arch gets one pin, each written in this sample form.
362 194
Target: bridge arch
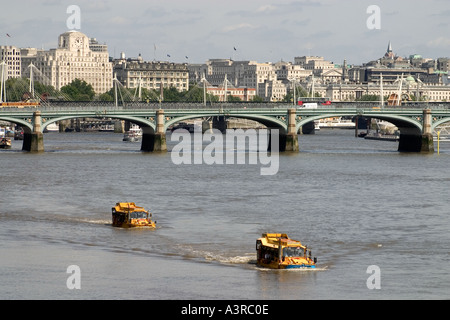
401 122
271 122
439 122
410 127
21 122
268 121
137 120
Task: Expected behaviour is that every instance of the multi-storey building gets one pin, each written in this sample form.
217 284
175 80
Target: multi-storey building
389 75
10 55
411 89
133 73
249 74
272 90
73 59
291 72
317 65
245 94
338 82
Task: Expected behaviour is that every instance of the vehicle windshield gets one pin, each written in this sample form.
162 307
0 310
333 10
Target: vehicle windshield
138 215
293 252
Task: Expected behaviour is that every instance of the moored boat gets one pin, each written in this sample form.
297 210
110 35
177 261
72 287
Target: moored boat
383 137
5 143
131 136
18 135
184 125
278 251
128 215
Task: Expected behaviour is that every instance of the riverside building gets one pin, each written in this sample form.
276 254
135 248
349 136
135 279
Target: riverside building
76 57
10 55
240 74
136 72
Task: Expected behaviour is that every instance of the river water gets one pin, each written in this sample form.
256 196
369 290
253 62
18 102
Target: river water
356 203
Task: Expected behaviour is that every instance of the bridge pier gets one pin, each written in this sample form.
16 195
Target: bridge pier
155 141
291 135
220 123
34 141
409 141
412 140
427 145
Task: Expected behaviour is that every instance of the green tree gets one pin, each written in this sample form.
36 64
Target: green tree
369 97
18 89
257 99
79 90
233 99
171 94
194 94
107 96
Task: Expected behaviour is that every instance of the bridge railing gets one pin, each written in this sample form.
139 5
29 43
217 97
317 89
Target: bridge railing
111 106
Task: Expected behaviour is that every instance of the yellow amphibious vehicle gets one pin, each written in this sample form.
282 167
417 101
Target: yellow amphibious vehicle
128 215
277 251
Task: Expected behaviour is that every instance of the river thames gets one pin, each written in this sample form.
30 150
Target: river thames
357 203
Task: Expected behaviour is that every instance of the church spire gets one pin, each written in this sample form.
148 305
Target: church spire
389 54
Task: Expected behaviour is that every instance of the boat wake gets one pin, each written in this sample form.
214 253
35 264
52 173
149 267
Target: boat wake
210 256
95 221
316 269
231 260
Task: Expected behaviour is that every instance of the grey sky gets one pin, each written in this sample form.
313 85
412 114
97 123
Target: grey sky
259 30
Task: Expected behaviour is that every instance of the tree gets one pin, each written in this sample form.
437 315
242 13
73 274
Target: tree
257 99
171 94
107 96
79 90
194 94
233 99
18 89
369 97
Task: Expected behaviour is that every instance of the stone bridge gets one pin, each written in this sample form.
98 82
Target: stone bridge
415 123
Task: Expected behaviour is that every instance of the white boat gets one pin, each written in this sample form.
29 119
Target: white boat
336 123
316 125
52 127
132 135
380 136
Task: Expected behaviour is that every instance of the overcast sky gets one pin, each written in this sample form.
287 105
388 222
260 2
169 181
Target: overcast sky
261 30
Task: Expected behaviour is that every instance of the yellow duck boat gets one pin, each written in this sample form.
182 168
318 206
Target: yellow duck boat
277 251
128 215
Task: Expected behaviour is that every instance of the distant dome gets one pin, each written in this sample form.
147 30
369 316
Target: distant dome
410 79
